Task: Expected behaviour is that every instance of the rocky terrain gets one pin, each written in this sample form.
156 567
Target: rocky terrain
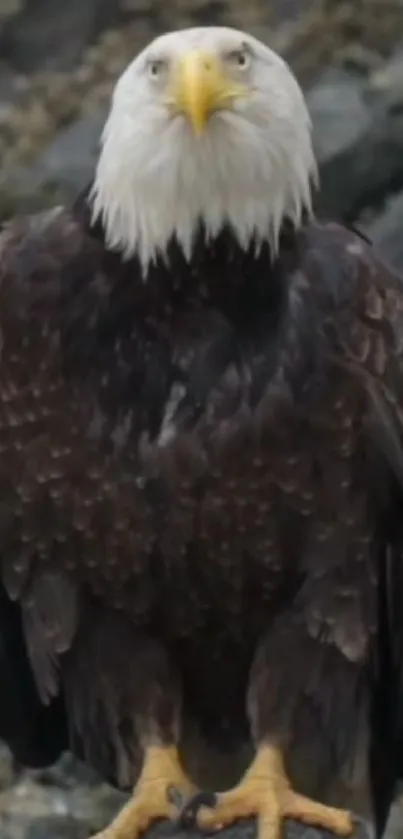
58 64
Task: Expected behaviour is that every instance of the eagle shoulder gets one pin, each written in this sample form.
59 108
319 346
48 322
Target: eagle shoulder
36 252
363 322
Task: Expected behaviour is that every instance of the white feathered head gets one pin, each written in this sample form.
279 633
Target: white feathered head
206 125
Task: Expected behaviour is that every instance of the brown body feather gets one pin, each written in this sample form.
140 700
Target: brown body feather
198 478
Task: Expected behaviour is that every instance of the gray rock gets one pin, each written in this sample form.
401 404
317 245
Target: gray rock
395 826
358 135
52 34
339 114
386 232
56 175
70 159
21 191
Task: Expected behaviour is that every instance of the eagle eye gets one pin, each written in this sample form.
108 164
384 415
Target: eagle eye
241 57
155 67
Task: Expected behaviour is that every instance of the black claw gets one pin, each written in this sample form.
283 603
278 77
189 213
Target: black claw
187 818
175 797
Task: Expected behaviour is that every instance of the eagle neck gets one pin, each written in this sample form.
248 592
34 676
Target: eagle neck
220 275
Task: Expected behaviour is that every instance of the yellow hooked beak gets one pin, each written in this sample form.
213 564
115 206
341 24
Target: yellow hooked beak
201 87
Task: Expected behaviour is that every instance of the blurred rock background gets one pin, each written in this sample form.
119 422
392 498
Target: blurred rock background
58 63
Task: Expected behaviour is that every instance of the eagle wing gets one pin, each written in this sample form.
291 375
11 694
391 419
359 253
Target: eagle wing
32 251
70 503
373 345
39 611
33 254
364 328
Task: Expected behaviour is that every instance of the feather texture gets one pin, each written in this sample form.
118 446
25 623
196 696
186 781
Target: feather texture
211 460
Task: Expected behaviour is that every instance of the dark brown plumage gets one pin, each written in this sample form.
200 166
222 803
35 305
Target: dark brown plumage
201 491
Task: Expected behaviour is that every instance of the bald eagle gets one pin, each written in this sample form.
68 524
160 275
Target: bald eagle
201 470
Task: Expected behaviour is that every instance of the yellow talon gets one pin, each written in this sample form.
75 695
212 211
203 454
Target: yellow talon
151 800
265 792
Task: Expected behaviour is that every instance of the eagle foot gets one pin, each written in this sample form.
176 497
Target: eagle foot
264 792
159 791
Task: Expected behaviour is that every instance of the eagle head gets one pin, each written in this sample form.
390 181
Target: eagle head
207 126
